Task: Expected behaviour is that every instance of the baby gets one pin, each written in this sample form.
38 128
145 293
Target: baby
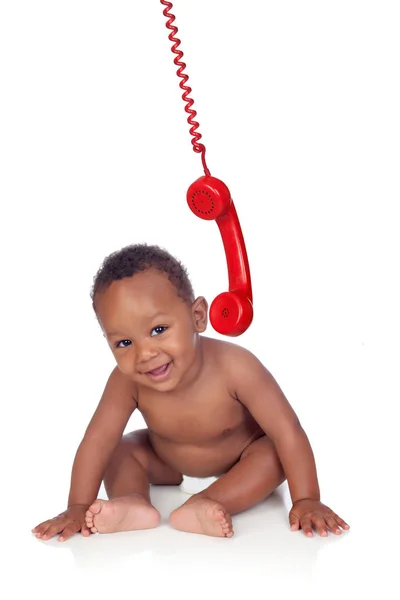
210 406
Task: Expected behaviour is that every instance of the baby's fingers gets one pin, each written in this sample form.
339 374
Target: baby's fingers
342 523
320 524
85 531
294 521
306 526
68 531
39 530
49 529
52 527
333 525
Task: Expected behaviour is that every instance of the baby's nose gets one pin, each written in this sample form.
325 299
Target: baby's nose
146 352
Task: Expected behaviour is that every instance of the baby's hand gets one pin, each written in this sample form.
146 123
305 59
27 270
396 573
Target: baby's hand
67 523
306 513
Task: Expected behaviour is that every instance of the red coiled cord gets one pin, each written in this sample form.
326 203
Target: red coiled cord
199 148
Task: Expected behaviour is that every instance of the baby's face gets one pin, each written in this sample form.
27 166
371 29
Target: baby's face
151 331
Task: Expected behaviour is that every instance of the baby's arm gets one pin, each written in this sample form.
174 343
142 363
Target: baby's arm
99 442
101 438
256 389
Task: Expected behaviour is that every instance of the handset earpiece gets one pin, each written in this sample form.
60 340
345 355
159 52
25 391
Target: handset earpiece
231 313
209 198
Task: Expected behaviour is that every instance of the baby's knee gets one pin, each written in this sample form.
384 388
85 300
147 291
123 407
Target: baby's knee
264 455
134 444
272 464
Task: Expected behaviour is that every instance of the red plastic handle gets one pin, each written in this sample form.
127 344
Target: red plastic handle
235 251
231 313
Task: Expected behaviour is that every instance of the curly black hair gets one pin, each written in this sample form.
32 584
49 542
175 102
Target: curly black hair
139 257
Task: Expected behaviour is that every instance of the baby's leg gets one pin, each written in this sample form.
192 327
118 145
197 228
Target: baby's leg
249 481
133 466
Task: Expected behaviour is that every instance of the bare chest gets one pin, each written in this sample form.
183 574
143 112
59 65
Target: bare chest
197 419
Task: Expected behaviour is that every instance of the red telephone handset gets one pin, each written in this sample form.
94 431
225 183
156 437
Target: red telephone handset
231 313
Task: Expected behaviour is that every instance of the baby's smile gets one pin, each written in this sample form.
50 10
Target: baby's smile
161 373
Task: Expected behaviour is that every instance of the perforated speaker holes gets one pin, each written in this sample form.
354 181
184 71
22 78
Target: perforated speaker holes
225 313
196 204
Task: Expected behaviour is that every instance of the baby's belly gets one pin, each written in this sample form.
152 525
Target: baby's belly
204 460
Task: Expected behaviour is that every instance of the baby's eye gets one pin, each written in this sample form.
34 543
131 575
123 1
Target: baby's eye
123 344
159 329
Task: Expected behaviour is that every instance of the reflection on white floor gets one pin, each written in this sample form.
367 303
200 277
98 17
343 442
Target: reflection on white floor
263 546
263 554
265 526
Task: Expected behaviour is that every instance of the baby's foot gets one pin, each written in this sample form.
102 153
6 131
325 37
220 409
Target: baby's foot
121 514
202 515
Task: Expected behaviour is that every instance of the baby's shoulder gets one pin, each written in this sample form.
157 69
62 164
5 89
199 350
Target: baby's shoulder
229 355
121 385
236 367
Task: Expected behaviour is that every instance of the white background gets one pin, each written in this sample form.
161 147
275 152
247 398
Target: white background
299 109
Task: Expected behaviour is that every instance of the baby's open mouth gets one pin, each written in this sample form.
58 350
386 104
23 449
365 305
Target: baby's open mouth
159 370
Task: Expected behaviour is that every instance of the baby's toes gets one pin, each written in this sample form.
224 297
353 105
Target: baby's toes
90 525
226 525
225 518
89 519
228 534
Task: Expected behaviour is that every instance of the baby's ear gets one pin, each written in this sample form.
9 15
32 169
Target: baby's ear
200 314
